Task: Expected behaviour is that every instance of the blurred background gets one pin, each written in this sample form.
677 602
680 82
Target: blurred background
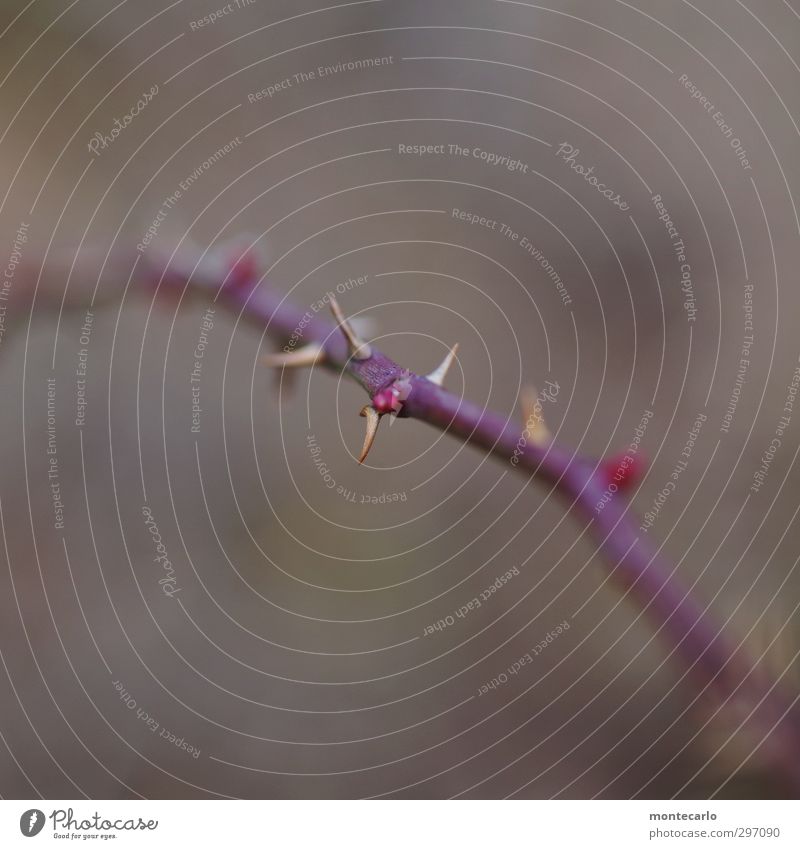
287 648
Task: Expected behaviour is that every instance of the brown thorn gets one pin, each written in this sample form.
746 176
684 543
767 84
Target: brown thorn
359 349
373 420
533 418
308 355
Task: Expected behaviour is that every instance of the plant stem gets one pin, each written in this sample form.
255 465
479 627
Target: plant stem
719 668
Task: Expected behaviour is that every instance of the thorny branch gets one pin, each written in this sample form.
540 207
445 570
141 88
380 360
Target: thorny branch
739 697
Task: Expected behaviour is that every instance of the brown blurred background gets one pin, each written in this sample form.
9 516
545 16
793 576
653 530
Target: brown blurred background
294 655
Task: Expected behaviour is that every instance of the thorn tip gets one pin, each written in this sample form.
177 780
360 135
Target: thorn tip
308 355
438 375
373 418
359 349
531 408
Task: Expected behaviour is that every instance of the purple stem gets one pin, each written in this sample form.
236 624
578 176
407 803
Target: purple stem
716 664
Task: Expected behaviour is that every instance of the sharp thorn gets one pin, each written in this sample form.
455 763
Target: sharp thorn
531 409
359 349
308 355
438 375
373 420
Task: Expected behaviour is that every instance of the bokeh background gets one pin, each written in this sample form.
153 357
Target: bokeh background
291 659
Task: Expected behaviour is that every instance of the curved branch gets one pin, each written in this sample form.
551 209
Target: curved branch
717 666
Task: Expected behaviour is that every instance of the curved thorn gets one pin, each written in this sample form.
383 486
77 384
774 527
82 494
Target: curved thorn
531 409
359 349
373 420
308 355
438 375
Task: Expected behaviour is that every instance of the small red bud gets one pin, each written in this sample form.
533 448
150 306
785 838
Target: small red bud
624 470
243 270
390 398
386 401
